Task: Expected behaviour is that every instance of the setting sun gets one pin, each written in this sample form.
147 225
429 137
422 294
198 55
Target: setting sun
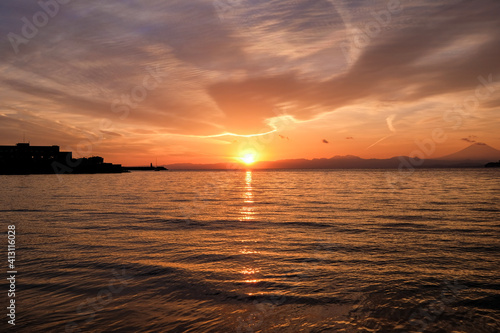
248 159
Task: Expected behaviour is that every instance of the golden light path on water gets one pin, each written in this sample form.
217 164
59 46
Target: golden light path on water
248 214
247 210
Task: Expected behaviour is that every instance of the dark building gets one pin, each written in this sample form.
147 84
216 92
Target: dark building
25 159
23 151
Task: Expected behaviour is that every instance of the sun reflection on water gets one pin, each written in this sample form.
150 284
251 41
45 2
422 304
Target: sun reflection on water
246 251
247 210
249 271
249 274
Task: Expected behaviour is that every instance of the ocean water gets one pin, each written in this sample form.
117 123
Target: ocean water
255 251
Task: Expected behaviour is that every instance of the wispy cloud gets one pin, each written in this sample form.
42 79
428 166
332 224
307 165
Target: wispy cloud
470 138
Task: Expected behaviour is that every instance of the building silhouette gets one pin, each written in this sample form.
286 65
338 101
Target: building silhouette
26 159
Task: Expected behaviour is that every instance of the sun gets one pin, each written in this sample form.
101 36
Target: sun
248 158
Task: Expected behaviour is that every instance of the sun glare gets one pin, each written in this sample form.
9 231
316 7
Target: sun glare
248 159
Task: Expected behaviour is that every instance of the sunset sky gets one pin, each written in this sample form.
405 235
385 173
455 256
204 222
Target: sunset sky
207 81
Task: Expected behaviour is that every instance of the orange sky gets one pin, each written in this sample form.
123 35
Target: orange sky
202 83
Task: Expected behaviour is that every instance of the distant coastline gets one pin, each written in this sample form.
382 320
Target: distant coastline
493 165
348 162
145 168
476 155
23 159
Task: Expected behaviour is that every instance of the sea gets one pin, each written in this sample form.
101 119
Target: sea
254 251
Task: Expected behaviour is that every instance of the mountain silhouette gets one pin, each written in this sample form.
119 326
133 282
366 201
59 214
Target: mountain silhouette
479 152
475 156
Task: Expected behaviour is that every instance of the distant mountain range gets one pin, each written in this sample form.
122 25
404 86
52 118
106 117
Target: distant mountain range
476 155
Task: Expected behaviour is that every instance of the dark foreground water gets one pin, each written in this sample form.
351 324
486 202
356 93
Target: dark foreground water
262 251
